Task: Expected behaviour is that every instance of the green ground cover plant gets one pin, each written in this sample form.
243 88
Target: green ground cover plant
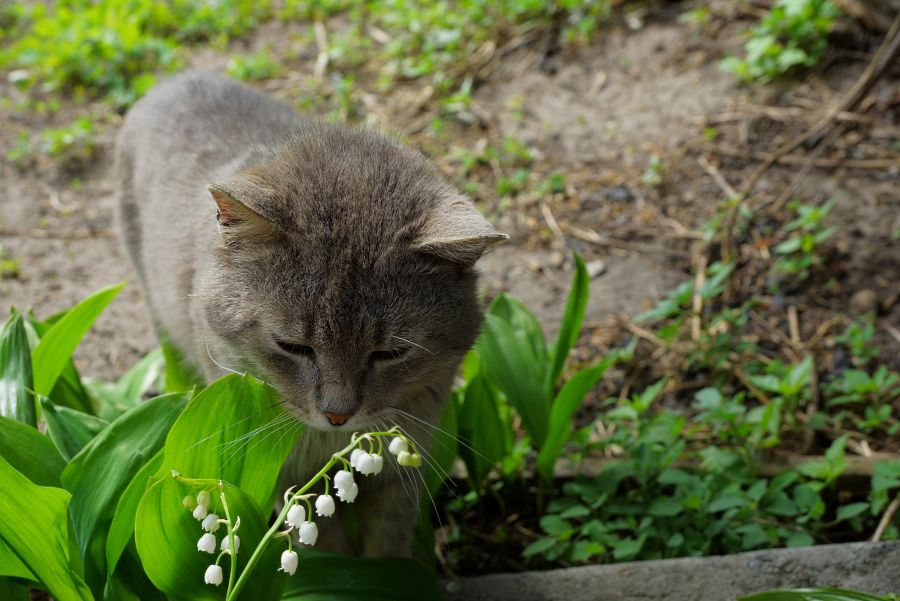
792 35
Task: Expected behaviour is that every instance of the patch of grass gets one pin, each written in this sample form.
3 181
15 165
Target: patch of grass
254 67
71 144
10 267
793 34
112 47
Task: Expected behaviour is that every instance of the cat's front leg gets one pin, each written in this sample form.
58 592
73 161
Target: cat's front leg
389 505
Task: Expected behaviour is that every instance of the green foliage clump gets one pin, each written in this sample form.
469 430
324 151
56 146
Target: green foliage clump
111 47
793 34
253 67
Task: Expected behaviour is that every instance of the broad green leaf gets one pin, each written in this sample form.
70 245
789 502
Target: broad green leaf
30 452
482 428
69 390
525 325
15 372
122 527
813 594
512 367
166 535
114 398
97 476
570 326
845 512
180 376
57 345
234 430
564 407
329 577
10 590
37 533
70 430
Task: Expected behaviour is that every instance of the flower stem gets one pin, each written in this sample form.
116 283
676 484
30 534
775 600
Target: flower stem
232 550
257 553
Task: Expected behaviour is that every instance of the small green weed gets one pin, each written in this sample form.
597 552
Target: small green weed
793 34
254 67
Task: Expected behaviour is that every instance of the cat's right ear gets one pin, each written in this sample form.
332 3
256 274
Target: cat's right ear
240 211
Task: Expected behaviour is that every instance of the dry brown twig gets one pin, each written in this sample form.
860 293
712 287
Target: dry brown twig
886 519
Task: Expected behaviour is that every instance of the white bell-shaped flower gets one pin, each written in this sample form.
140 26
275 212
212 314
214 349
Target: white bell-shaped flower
397 446
377 464
354 456
200 512
343 479
365 464
207 543
226 544
289 561
309 532
415 460
189 502
296 515
203 498
403 458
211 523
213 575
348 495
324 506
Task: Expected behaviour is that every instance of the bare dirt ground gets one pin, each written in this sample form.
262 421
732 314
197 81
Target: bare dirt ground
598 114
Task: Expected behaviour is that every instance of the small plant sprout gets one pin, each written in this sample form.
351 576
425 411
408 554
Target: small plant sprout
363 453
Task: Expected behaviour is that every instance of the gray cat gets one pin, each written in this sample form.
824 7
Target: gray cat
332 262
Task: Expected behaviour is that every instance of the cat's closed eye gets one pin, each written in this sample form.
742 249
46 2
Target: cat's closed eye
301 350
386 355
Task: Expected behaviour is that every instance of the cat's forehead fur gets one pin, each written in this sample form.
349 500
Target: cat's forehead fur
351 205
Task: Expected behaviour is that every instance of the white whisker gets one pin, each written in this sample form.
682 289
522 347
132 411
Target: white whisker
416 344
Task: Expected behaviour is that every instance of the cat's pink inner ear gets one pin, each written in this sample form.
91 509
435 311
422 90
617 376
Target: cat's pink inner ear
458 233
234 215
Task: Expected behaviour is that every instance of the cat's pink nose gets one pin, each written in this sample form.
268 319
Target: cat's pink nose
338 419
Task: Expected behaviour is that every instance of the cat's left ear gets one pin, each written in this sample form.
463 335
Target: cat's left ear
458 233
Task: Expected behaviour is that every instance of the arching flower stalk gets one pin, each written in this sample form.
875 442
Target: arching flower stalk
364 454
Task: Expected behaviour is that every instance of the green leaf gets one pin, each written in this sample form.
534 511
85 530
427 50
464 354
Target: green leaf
103 469
525 325
570 326
329 577
234 430
665 507
10 590
37 533
813 594
122 527
166 536
30 452
563 409
539 546
180 376
482 428
15 372
70 430
512 367
845 512
116 398
58 343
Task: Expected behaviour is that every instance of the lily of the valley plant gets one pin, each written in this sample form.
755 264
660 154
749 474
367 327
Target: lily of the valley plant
365 457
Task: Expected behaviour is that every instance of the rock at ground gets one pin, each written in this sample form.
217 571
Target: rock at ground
868 567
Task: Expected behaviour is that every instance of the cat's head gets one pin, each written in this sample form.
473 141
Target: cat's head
344 277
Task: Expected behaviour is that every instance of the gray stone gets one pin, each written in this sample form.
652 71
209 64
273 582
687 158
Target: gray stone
868 567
